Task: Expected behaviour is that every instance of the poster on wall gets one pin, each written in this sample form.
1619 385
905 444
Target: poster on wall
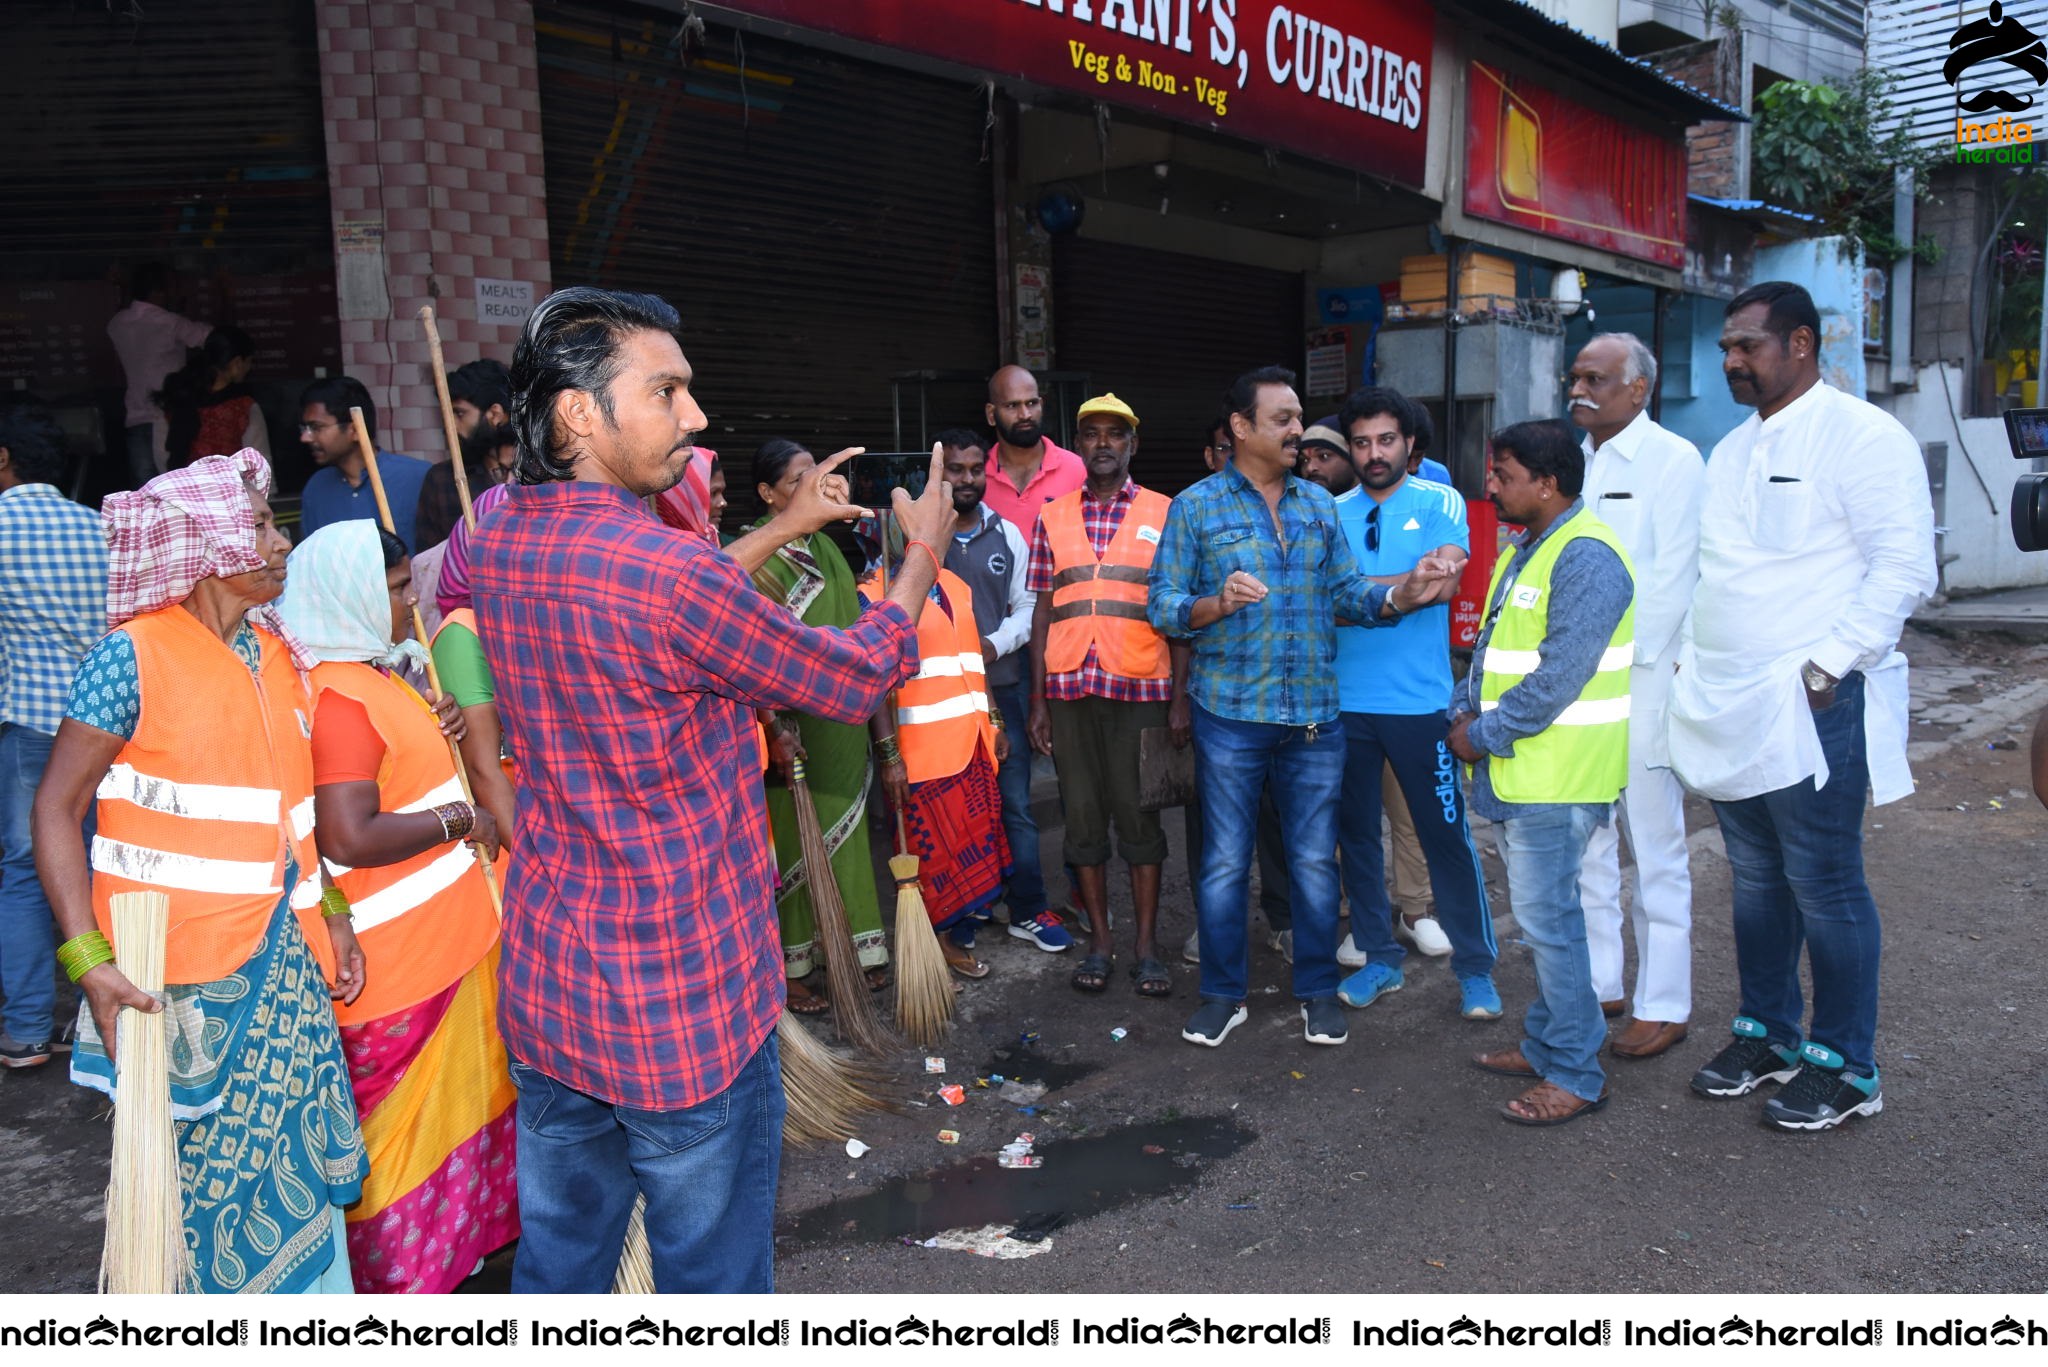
359 267
1329 368
1034 336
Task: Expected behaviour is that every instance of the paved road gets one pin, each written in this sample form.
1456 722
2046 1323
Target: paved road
1381 1165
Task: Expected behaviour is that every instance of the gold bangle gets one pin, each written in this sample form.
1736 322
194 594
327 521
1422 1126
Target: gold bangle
334 902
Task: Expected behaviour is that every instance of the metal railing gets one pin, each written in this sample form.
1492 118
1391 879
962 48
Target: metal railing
1841 18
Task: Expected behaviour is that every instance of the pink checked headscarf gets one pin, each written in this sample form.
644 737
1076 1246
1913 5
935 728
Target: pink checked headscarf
185 526
453 590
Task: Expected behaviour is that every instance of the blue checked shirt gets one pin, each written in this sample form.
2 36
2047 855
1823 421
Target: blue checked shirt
1273 661
53 601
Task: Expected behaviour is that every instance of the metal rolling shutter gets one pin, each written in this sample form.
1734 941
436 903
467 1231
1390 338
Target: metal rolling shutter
1168 333
821 223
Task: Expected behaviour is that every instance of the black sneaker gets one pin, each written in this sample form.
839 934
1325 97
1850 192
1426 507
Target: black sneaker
1322 1021
1212 1023
15 1054
1749 1061
1823 1094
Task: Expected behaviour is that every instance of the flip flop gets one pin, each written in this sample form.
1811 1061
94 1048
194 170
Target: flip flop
961 961
1579 1107
809 1004
878 978
1096 967
1153 978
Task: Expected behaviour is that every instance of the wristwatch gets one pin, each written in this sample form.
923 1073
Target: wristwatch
1816 679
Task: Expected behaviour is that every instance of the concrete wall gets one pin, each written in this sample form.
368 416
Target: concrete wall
1980 475
433 134
1834 277
1957 215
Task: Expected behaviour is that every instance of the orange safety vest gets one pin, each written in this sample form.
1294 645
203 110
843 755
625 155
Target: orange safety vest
205 802
1101 602
424 921
942 711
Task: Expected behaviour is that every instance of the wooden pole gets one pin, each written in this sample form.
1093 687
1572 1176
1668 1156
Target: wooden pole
419 629
448 416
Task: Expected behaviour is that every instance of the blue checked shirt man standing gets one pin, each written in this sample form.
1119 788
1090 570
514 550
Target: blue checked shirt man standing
53 606
1255 570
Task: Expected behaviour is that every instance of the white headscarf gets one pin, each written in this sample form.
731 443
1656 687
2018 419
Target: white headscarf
336 600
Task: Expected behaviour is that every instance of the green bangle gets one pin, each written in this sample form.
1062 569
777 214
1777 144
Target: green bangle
334 902
81 954
890 752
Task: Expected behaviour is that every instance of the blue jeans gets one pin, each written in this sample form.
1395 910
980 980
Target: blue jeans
708 1171
141 453
1025 892
1234 763
1797 858
1428 775
28 942
1272 860
1564 1029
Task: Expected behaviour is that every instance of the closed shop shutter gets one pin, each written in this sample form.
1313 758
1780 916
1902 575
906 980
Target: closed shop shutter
1168 333
820 223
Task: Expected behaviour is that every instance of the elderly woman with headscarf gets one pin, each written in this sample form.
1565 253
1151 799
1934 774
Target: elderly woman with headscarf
466 674
191 722
400 842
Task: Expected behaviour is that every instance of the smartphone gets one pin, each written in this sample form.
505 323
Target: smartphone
876 475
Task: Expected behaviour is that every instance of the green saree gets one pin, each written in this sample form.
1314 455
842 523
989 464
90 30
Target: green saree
812 580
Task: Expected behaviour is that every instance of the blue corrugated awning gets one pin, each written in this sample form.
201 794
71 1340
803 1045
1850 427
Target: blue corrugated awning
1759 211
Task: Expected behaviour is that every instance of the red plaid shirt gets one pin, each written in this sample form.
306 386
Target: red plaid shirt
1101 521
642 963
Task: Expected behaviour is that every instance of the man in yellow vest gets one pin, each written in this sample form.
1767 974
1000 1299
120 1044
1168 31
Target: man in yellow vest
1100 674
1543 720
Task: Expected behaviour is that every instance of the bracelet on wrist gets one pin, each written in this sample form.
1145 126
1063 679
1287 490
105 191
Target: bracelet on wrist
334 902
457 819
890 752
927 550
81 954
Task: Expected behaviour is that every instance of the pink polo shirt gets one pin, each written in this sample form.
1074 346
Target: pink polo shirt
1059 474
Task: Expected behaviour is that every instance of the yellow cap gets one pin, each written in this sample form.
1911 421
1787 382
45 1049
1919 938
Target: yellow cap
1108 403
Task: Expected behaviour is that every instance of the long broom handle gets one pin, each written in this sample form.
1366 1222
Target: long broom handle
419 628
882 516
448 416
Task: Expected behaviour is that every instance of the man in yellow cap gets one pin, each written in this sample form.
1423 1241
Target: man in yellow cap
1101 674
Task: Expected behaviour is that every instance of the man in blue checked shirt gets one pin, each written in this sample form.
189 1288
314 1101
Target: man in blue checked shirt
1255 569
53 606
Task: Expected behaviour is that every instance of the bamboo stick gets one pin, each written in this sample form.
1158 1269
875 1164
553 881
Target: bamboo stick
448 416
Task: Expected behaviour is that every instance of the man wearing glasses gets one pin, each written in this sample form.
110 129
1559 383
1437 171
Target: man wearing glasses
1394 686
339 490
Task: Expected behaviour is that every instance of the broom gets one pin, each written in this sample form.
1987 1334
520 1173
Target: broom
419 631
852 1012
825 1090
145 1248
924 985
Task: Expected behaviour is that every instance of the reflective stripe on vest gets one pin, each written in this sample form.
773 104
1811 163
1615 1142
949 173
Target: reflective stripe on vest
1582 756
942 711
425 920
1098 602
207 803
950 666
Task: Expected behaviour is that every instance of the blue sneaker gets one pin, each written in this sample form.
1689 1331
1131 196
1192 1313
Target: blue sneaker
1369 984
1477 999
1045 931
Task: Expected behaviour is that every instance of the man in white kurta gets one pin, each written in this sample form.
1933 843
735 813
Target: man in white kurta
1645 483
1816 543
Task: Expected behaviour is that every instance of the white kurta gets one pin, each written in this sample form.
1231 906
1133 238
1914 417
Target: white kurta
1816 543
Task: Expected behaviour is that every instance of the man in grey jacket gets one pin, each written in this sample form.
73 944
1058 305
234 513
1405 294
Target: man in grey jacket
991 557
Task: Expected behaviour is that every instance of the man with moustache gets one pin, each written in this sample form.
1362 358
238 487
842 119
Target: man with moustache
1255 569
1542 718
1816 543
1645 483
992 558
1027 469
480 395
1100 675
1393 686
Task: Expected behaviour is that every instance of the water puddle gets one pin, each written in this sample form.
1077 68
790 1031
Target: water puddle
1081 1177
1027 1064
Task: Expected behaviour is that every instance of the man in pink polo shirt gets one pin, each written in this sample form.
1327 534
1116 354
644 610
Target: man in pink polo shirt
1026 470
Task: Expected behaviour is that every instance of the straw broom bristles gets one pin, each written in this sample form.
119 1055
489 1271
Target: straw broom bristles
855 1015
824 1089
145 1248
924 985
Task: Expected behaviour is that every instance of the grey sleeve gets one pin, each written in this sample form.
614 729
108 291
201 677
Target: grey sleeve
1590 592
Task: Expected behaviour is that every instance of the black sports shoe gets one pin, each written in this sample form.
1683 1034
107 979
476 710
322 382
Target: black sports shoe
1322 1021
1749 1061
15 1054
1823 1094
1213 1022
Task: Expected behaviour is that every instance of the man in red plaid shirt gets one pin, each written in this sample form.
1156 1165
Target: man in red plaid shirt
641 975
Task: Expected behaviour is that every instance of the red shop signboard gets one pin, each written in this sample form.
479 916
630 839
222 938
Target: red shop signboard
1345 81
1535 160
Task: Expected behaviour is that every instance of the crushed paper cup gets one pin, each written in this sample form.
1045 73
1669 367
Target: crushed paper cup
953 1095
854 1148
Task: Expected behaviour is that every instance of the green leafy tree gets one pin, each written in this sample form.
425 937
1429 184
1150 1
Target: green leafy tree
1830 148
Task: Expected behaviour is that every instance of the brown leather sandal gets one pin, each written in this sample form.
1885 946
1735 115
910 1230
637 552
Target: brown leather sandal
1549 1104
1504 1063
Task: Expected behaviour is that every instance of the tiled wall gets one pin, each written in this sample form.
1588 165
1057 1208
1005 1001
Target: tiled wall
433 121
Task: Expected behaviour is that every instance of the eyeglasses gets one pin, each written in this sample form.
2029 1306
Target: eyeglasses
1372 530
